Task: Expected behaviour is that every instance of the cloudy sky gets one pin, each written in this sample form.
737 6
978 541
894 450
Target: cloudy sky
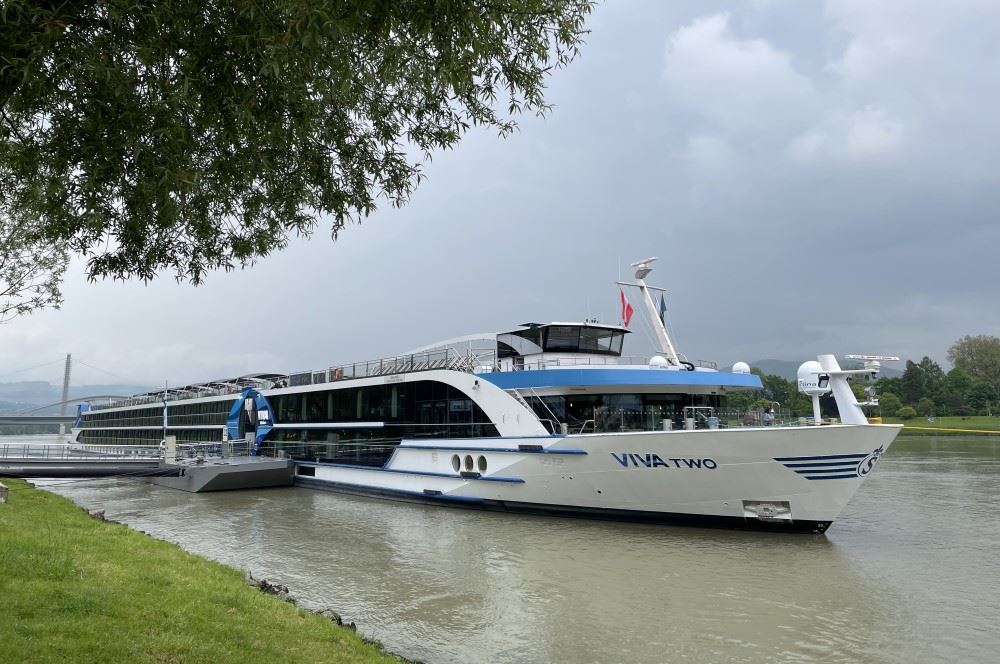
814 177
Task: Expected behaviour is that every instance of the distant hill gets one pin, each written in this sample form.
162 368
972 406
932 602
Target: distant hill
16 397
788 369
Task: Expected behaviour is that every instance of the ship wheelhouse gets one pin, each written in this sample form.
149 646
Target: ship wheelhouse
575 379
537 343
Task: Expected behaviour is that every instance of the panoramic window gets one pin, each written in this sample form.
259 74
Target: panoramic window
597 340
562 337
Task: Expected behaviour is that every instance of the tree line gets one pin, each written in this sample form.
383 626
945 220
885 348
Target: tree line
970 387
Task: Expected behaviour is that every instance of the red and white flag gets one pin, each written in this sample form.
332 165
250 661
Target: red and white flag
626 308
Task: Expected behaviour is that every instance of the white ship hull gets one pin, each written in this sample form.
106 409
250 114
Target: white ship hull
391 427
784 478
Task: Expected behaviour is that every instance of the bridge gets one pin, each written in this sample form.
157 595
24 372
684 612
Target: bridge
29 417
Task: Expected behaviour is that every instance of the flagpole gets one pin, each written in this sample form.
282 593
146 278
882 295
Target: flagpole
164 410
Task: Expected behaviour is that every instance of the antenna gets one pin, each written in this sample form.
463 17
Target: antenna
642 268
873 364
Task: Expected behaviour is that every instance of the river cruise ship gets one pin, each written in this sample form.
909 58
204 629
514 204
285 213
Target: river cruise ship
545 418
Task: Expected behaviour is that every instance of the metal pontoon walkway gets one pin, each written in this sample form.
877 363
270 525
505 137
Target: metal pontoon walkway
195 470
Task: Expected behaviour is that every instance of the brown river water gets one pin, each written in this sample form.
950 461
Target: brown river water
909 573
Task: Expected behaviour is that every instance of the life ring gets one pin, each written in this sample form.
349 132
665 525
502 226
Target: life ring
688 365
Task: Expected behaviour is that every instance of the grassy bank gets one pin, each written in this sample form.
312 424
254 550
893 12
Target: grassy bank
73 588
942 426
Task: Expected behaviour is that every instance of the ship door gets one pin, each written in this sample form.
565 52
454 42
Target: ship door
248 419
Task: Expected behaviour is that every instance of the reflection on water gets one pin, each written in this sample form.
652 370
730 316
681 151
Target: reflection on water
910 573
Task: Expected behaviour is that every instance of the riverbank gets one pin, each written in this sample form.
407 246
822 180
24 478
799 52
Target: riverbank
76 588
948 426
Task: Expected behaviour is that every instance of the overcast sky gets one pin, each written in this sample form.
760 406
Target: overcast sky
814 177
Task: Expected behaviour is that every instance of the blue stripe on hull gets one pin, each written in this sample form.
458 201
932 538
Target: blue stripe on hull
824 467
813 471
852 476
396 494
821 458
423 473
570 377
514 450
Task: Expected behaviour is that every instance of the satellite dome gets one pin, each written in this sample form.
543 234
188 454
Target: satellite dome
658 362
810 381
741 368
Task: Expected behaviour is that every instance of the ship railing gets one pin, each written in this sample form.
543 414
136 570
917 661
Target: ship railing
214 389
387 366
142 451
470 361
607 419
215 450
610 360
71 452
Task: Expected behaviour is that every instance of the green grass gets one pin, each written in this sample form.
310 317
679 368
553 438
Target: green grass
972 423
73 588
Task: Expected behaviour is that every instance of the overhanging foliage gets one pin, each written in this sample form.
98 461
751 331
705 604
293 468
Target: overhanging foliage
197 134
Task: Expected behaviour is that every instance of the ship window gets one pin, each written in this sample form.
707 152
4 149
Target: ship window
616 342
532 334
572 338
597 340
562 337
505 350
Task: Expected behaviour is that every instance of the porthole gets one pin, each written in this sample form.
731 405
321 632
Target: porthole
456 462
469 463
482 464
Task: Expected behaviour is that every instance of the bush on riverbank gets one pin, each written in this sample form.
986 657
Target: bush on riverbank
73 588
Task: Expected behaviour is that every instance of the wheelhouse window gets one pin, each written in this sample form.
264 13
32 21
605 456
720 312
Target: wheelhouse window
597 340
562 338
521 342
576 339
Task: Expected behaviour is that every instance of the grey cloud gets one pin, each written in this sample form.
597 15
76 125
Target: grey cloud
815 178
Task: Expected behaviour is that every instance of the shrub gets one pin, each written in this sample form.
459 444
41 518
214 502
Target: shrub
890 404
926 407
906 413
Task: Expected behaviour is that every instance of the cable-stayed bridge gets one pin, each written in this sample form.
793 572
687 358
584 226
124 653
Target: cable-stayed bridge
35 416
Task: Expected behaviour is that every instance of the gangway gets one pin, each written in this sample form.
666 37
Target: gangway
189 467
49 459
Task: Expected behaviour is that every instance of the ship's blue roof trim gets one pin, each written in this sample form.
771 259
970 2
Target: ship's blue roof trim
588 377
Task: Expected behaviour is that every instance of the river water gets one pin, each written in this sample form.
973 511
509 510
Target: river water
909 573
